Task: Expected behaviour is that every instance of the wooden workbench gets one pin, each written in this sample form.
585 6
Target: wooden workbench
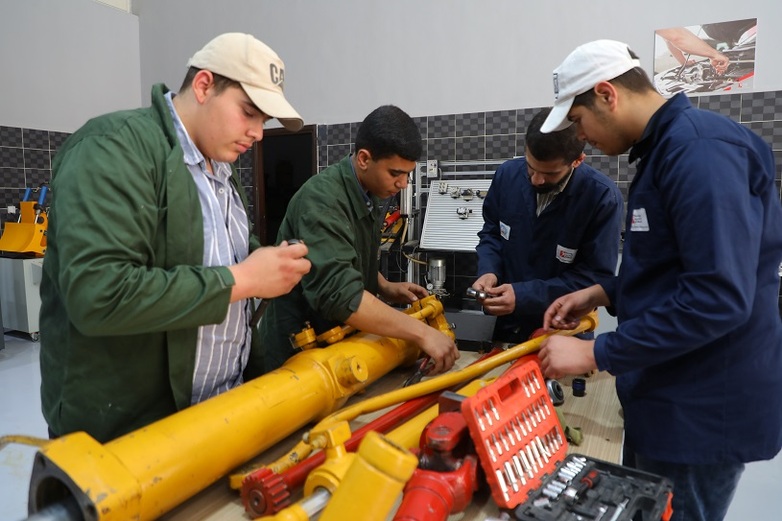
597 414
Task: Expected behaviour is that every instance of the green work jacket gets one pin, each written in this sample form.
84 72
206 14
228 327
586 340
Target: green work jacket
124 289
331 215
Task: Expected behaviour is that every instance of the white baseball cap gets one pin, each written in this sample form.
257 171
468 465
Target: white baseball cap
585 67
252 63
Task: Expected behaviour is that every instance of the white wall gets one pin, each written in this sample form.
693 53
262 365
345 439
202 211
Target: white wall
345 57
64 61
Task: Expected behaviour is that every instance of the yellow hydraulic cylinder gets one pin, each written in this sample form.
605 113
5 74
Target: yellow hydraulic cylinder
379 472
146 473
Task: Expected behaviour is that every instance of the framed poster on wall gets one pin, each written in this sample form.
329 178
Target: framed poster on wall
705 59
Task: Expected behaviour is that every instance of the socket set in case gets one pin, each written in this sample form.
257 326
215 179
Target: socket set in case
516 432
523 452
583 488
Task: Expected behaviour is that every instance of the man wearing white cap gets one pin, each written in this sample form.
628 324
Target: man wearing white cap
151 266
699 331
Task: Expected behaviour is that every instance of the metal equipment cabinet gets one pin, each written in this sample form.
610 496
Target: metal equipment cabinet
20 300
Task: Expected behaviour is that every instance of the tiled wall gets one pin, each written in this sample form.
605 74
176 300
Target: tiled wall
496 136
26 161
489 137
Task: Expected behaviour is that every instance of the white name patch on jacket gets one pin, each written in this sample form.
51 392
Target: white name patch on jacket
566 255
505 231
640 223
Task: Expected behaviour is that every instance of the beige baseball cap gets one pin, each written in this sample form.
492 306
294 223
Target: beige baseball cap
585 67
252 63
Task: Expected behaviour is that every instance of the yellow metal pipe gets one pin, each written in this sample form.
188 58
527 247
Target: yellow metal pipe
146 473
408 435
325 477
302 449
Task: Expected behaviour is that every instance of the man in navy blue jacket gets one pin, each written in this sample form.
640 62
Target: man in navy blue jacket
698 350
551 226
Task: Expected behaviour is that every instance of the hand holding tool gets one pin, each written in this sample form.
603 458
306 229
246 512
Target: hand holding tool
265 302
422 370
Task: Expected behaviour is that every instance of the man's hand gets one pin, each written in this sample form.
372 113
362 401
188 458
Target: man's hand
501 300
566 312
485 282
562 355
441 348
270 271
402 292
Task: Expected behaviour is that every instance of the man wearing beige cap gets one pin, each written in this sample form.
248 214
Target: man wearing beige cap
151 266
696 353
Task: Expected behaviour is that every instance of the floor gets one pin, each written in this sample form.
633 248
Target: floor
20 414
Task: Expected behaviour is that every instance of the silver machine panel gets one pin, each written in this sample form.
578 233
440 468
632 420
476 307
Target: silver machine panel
454 215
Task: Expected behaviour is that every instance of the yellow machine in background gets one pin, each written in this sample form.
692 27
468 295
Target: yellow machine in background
28 235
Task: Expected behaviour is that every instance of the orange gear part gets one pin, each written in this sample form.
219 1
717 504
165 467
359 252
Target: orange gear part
264 493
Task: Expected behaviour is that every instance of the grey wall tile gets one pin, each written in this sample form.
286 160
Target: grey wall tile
472 124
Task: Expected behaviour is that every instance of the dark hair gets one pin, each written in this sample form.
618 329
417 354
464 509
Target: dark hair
221 82
388 131
634 80
563 144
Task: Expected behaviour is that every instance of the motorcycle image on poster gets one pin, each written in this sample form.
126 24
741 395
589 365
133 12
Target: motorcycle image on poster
707 58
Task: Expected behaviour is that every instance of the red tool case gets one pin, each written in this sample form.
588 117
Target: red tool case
523 451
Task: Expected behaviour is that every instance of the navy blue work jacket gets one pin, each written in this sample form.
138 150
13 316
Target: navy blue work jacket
698 348
573 244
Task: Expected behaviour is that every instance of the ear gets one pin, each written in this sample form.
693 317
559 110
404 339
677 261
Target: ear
363 157
577 162
202 84
606 92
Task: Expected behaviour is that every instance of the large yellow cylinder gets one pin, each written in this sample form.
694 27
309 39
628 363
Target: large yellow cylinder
146 473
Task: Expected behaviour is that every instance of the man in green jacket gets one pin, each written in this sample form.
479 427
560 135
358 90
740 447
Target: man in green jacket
337 214
150 266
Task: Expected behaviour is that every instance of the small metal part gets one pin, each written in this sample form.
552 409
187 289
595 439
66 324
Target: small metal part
487 416
503 485
519 469
557 485
568 474
511 476
515 430
579 387
423 368
532 419
532 458
496 444
476 294
526 463
518 422
504 442
494 410
491 452
619 509
480 421
543 450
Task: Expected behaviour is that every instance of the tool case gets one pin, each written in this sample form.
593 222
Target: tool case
523 452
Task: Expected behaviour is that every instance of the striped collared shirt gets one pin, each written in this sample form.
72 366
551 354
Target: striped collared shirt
223 349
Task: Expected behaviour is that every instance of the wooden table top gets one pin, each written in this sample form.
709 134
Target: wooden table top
597 414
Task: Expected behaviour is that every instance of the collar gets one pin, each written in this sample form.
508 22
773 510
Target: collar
193 156
658 124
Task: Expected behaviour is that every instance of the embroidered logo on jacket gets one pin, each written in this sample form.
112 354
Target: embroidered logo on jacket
566 255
